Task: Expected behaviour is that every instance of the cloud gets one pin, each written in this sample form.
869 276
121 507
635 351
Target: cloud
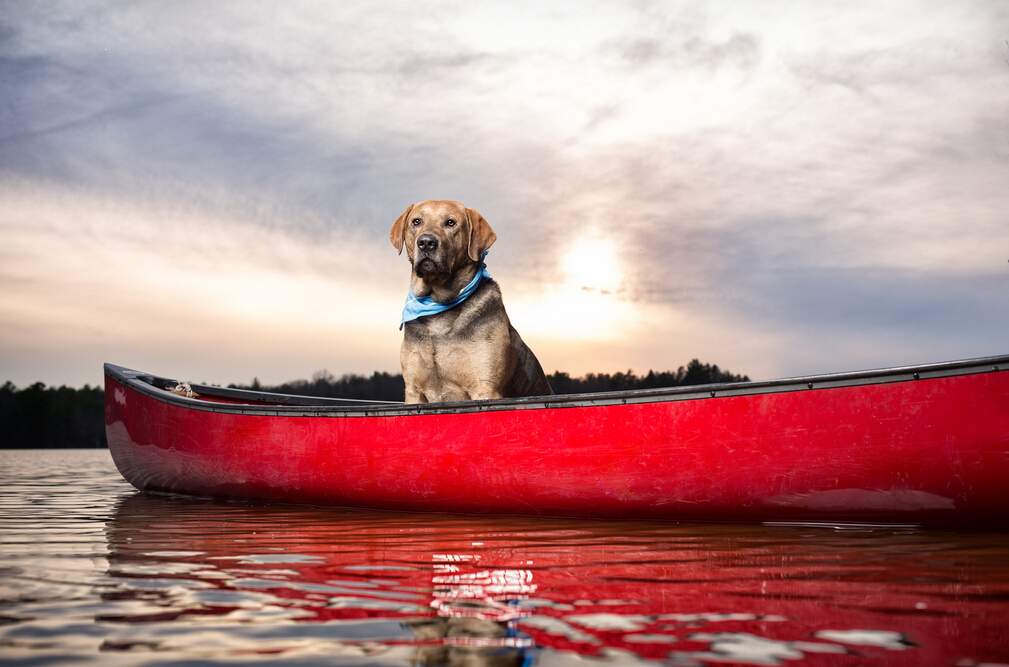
682 41
123 284
765 179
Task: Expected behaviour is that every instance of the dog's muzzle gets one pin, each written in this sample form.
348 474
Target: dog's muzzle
429 262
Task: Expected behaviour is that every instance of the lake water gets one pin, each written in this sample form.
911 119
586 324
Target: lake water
92 572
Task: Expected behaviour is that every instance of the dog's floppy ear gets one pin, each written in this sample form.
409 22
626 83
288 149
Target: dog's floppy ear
398 232
481 236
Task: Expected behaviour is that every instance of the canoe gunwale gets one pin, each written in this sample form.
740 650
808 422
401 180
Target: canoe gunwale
269 404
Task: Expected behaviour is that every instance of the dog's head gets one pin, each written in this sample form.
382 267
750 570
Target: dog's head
440 237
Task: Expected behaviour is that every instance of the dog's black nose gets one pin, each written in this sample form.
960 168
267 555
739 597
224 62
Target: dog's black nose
427 242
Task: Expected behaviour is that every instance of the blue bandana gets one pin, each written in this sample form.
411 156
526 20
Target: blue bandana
422 306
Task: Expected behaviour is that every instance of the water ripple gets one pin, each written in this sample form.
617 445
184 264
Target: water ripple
92 572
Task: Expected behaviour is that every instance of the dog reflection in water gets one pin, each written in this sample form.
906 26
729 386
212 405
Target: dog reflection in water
472 625
465 641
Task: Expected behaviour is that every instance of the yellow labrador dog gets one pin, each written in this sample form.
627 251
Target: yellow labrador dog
458 343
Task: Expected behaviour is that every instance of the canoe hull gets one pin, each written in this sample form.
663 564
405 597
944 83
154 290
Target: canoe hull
932 450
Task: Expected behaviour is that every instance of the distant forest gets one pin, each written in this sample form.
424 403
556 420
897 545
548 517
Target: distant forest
386 387
38 417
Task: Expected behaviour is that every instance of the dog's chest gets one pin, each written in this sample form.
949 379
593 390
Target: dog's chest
434 363
433 334
434 327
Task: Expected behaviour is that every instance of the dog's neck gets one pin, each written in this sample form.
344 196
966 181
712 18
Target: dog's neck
447 290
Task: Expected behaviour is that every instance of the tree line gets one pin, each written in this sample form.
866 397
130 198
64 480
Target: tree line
387 387
40 417
693 373
37 417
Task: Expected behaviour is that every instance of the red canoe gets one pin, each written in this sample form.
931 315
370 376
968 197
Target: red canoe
927 445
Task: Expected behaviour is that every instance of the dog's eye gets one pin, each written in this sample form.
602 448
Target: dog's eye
415 221
450 223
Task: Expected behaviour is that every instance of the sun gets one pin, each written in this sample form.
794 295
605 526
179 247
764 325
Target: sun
588 303
591 264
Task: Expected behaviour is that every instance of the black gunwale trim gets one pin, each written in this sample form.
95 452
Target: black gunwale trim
267 404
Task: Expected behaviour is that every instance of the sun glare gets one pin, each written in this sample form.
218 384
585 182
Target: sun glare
591 265
587 304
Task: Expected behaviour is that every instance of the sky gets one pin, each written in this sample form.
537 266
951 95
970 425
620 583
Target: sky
204 190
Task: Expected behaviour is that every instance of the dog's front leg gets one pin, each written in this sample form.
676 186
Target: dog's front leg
485 391
414 395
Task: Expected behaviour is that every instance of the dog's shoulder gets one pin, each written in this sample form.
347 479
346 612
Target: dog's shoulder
485 300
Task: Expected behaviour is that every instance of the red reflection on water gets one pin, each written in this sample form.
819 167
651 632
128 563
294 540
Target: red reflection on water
691 594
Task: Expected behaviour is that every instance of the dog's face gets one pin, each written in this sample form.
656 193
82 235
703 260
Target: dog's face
441 236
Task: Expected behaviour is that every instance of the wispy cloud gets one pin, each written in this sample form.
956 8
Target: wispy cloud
765 178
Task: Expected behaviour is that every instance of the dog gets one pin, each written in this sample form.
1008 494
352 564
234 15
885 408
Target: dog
458 343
